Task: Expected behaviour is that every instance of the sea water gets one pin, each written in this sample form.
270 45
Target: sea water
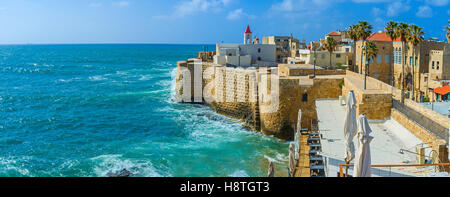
86 110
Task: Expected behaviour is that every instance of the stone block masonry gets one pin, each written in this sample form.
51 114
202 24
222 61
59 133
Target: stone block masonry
237 93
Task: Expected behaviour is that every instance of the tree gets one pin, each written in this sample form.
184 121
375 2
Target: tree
414 37
364 31
371 50
353 34
392 32
447 28
402 31
329 44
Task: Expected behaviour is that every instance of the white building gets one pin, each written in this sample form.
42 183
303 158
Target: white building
249 54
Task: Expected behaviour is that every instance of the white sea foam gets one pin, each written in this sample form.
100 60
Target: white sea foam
115 163
97 78
239 173
10 164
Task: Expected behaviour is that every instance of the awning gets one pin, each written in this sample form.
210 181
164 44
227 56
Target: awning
442 90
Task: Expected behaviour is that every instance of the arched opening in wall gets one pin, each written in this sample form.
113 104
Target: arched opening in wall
259 50
259 58
305 97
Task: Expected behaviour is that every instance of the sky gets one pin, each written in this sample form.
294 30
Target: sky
204 21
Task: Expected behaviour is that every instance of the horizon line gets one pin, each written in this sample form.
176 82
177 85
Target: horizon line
105 43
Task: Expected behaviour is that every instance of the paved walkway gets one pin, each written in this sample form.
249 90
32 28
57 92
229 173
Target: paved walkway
302 169
389 138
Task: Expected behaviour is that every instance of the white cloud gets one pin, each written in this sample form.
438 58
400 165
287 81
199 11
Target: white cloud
192 6
122 3
238 14
437 2
424 12
397 7
294 8
95 4
376 11
371 1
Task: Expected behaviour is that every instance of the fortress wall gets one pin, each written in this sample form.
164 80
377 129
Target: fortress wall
237 98
281 123
375 105
396 94
234 93
292 70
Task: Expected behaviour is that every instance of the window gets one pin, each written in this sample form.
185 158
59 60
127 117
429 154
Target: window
347 50
259 58
410 60
437 65
406 59
371 60
379 59
230 54
386 59
357 57
305 97
415 61
338 55
432 65
426 79
259 50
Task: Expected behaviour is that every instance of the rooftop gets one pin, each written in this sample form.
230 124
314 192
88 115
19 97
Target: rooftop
381 36
389 137
334 34
442 90
248 31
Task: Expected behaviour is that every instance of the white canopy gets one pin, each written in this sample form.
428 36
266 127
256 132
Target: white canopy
363 158
350 127
292 163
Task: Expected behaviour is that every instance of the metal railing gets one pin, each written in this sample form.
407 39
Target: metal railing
425 122
414 169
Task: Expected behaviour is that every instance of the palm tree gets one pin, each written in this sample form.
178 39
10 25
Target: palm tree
415 37
447 28
329 44
402 31
353 34
371 50
391 31
364 31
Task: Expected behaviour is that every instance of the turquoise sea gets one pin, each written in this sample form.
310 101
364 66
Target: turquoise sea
86 110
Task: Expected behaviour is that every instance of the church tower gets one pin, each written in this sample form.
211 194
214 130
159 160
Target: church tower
248 35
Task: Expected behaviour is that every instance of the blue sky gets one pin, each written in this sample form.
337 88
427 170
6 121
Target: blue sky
203 21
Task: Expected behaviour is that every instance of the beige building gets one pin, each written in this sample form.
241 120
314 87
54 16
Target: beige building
438 64
422 60
322 58
286 46
379 67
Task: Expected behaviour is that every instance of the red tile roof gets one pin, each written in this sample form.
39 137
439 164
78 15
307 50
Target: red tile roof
334 34
247 31
442 90
381 37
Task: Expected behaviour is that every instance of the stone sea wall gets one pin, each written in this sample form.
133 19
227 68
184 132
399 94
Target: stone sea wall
237 93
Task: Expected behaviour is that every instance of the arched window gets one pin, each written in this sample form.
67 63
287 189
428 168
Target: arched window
305 97
259 50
